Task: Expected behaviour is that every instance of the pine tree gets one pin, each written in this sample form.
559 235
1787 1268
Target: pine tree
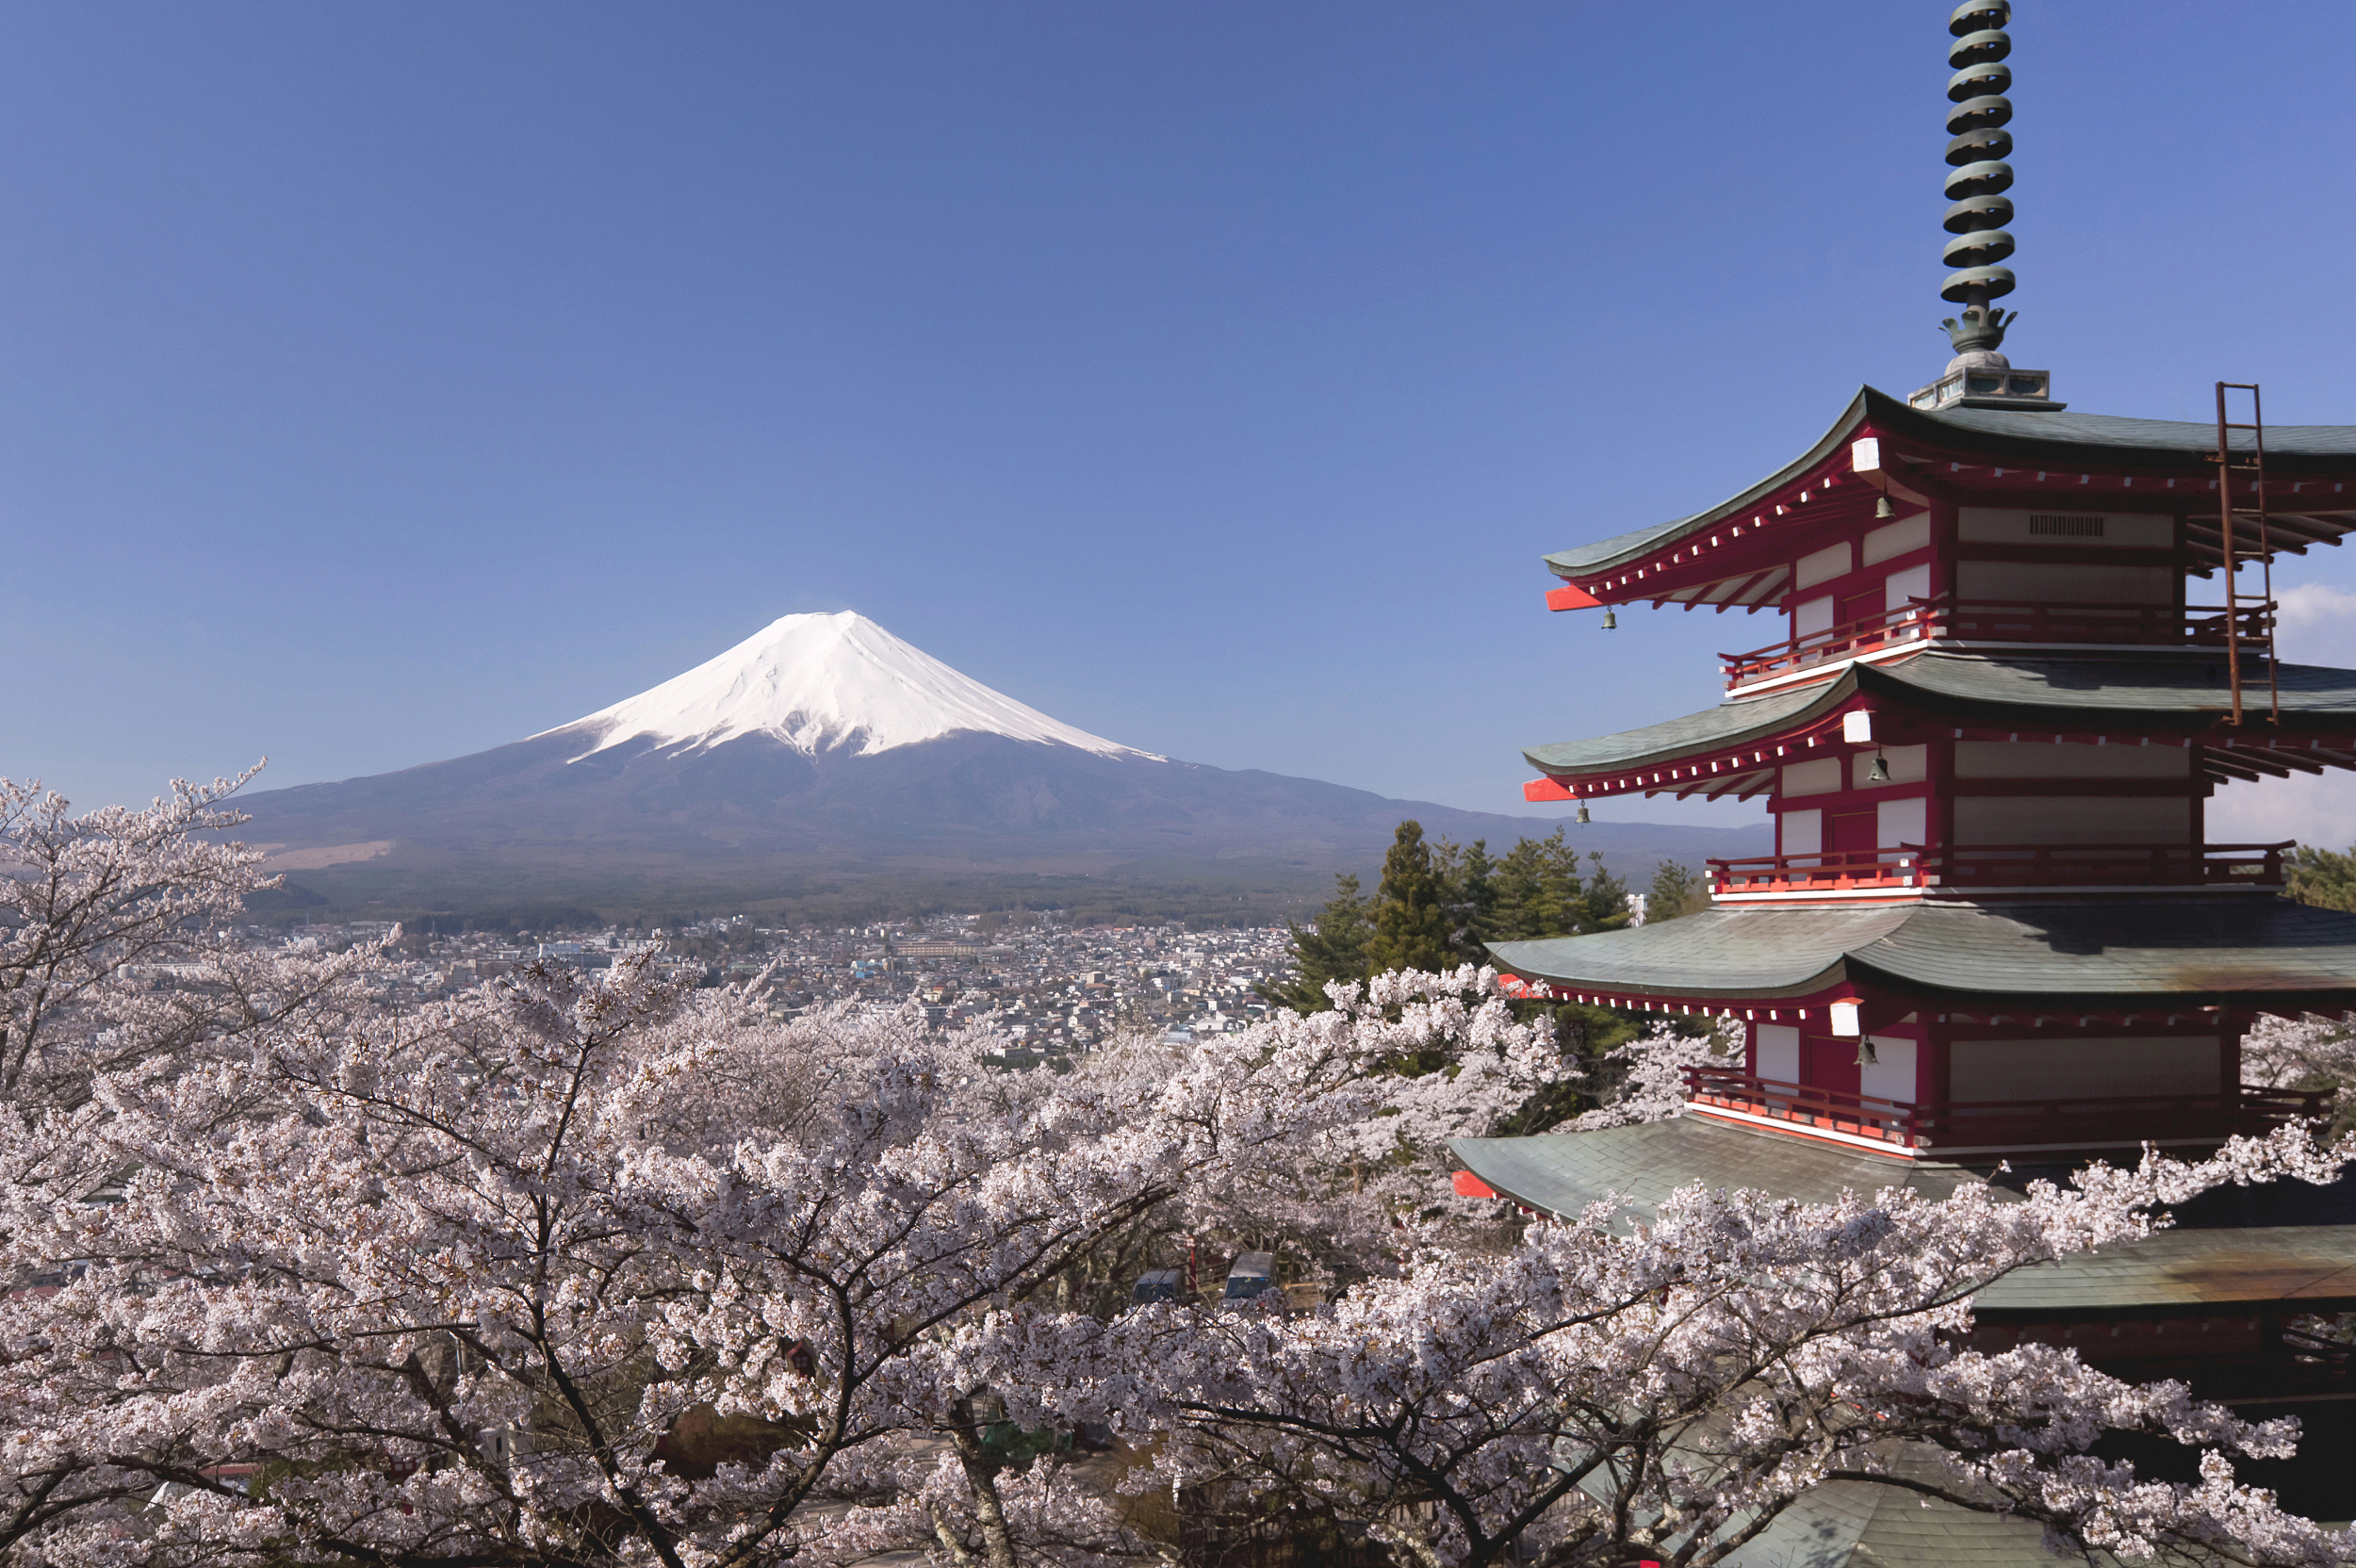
1411 925
1602 904
1536 891
1468 892
1675 891
1335 948
2323 878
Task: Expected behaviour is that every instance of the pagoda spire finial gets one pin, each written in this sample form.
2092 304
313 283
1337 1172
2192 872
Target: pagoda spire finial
1979 375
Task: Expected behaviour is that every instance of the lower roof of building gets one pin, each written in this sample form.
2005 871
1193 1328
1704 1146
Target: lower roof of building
2165 952
2164 692
2230 1247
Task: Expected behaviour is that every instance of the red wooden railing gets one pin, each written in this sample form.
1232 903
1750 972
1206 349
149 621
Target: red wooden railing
1829 871
2097 865
1982 866
2250 1110
2002 621
1846 641
2021 621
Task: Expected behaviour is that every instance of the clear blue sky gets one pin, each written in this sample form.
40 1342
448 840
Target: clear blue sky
378 383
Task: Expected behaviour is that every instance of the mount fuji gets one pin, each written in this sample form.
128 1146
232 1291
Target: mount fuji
824 766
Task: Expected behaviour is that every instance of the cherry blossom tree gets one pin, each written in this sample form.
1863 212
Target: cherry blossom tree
592 1267
596 1267
82 898
1668 1389
2309 1051
1651 1086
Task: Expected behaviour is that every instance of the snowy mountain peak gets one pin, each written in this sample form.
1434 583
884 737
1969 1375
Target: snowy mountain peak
819 683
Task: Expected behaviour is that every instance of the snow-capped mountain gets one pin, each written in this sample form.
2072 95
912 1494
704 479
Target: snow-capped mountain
822 765
823 683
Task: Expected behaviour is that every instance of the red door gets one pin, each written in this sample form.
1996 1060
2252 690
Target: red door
1831 1063
1867 606
1852 835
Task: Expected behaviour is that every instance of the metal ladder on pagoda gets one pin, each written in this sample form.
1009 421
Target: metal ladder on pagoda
2250 519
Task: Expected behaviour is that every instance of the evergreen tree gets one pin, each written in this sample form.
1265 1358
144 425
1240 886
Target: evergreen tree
1675 891
1335 948
1411 924
1602 902
1535 891
1469 893
2323 878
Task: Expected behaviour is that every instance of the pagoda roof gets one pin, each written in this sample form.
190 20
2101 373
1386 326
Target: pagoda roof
1999 439
2170 693
2175 954
2281 1241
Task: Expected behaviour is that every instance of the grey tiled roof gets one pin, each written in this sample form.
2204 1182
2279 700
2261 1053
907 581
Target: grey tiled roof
1857 1525
2202 947
1727 950
1729 724
1563 1172
2171 951
2219 1253
2164 689
2163 686
2187 1268
2090 432
2059 438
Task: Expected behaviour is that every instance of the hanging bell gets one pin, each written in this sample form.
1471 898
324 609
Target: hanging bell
1582 813
1865 1056
1883 511
1881 770
1610 621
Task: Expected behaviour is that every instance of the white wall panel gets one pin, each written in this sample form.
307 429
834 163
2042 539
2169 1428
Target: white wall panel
2062 582
2070 760
2072 819
1988 525
2082 1069
1891 1074
1902 822
1895 539
1801 832
1907 765
1775 1053
1913 584
1820 776
1822 566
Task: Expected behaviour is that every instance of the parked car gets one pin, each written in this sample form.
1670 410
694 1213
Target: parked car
1158 1285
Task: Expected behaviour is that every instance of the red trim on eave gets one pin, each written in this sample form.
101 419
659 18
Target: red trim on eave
1571 597
1469 1185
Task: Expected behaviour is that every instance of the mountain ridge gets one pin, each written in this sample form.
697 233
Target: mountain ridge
808 768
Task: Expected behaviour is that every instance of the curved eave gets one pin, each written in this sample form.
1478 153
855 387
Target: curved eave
1608 555
2056 440
1751 721
2171 694
2176 954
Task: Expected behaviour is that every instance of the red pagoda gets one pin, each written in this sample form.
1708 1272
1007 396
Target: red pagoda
2021 645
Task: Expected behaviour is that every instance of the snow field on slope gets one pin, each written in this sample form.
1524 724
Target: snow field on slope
816 683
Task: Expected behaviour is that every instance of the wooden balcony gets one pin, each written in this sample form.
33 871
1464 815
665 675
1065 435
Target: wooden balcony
2003 621
1912 624
2085 1123
1980 867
